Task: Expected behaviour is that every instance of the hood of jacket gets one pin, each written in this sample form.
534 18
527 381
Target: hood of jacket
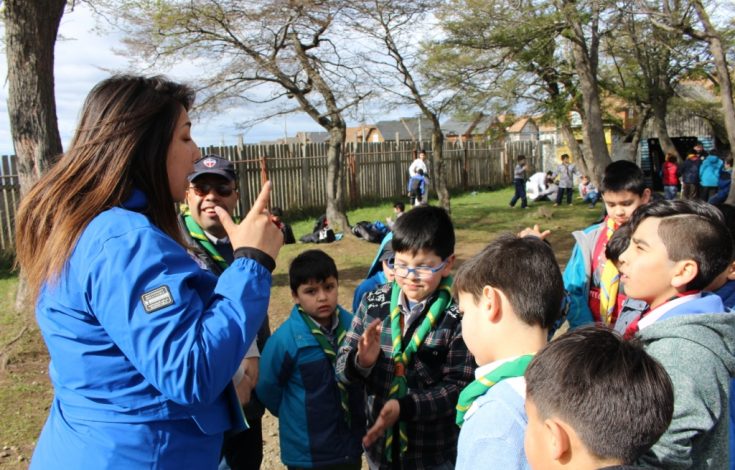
713 331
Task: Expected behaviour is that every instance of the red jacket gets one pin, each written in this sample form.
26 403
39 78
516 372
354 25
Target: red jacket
669 174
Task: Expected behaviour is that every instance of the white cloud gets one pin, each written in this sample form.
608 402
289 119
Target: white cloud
83 57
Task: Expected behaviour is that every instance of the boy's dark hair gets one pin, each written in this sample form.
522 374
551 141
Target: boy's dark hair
277 211
424 228
694 230
617 398
623 176
524 269
565 156
420 171
618 243
311 265
399 205
521 158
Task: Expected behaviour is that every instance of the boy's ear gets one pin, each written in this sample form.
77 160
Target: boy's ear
560 443
684 271
447 270
646 196
731 272
490 302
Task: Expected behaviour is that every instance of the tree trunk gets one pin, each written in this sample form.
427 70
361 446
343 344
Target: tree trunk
723 75
597 155
659 110
335 168
585 51
576 150
640 126
439 175
30 35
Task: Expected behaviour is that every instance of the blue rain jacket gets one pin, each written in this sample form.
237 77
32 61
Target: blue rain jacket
297 383
143 346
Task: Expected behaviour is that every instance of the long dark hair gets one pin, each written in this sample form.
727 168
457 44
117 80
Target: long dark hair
126 126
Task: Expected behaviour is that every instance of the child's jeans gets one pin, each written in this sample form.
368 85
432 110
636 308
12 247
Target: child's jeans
669 192
520 193
591 198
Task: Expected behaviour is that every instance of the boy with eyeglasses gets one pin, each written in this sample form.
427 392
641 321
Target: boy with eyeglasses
405 344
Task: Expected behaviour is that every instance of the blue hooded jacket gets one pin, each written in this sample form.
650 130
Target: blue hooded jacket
143 346
297 383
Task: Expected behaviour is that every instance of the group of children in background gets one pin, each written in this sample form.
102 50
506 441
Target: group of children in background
438 373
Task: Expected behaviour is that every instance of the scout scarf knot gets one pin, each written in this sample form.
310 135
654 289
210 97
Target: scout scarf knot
510 369
331 353
197 233
402 355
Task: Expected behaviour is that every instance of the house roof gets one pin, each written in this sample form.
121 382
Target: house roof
518 126
457 127
354 134
406 128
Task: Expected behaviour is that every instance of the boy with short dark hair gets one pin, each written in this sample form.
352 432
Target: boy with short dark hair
519 182
594 401
504 323
565 171
321 421
405 344
677 248
590 278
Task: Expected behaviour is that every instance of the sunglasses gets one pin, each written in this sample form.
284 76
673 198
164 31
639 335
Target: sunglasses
202 189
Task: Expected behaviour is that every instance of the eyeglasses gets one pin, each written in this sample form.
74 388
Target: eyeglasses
421 272
202 189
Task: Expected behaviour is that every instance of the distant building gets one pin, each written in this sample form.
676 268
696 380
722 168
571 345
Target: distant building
416 129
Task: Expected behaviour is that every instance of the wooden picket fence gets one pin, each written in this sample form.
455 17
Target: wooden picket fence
372 171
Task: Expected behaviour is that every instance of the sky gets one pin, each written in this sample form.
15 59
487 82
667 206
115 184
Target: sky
83 57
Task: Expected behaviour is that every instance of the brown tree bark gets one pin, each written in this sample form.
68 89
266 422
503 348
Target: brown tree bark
439 174
586 57
659 110
30 35
723 75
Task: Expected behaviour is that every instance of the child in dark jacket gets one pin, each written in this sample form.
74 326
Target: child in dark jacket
321 421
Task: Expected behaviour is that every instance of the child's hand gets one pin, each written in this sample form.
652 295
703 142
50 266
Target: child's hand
534 232
368 348
386 419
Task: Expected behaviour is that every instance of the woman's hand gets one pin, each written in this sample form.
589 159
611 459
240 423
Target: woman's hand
257 229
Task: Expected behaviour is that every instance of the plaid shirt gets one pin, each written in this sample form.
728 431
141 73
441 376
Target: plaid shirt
438 371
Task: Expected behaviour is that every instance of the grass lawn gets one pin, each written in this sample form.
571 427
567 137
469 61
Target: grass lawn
25 392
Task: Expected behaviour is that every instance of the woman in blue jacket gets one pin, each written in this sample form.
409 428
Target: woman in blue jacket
143 343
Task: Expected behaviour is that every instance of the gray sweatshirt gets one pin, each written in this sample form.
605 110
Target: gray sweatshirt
698 352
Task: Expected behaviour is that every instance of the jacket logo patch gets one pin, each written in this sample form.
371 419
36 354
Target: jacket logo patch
157 299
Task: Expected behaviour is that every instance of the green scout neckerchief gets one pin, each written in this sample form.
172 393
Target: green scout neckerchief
478 387
331 353
401 357
197 233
